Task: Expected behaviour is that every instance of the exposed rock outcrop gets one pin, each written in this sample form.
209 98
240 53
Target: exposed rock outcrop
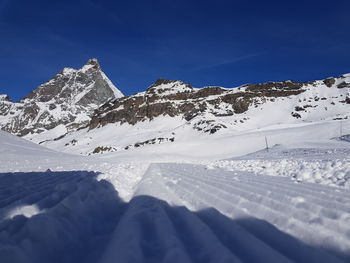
69 98
175 98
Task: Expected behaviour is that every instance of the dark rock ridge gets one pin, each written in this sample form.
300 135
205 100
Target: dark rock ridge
175 98
178 99
69 98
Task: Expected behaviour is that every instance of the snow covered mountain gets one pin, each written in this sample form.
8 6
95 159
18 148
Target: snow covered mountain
169 167
81 111
207 108
66 101
261 207
169 112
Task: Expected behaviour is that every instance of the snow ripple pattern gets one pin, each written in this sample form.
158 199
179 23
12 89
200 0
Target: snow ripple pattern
180 213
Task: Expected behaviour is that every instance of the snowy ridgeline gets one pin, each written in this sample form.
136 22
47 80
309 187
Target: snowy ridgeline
76 217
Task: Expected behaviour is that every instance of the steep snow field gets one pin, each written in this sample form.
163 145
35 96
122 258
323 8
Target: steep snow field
220 200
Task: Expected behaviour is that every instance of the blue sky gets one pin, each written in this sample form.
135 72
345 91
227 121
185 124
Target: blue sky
225 43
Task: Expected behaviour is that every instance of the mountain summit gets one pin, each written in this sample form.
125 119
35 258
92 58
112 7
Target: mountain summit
167 111
88 85
68 99
94 62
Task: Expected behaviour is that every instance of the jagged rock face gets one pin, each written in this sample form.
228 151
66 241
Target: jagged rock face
89 85
68 98
175 98
5 103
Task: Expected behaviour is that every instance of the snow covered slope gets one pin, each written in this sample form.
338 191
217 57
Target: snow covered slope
170 212
328 165
172 112
18 154
317 215
165 141
68 99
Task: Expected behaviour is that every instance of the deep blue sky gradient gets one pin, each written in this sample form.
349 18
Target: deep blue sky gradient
226 43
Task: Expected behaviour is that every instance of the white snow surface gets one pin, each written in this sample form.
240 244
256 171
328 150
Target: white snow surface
320 106
224 199
328 166
116 91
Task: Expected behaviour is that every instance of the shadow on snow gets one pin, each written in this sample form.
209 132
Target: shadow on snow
72 217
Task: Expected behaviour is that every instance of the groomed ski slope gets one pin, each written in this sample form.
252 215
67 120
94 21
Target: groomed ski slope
108 210
179 213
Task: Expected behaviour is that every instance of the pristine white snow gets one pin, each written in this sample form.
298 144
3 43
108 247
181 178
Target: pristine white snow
178 202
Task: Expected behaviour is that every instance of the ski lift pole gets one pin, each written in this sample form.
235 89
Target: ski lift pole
267 146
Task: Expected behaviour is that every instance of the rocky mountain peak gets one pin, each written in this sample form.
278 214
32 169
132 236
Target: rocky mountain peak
69 98
88 85
94 62
91 65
